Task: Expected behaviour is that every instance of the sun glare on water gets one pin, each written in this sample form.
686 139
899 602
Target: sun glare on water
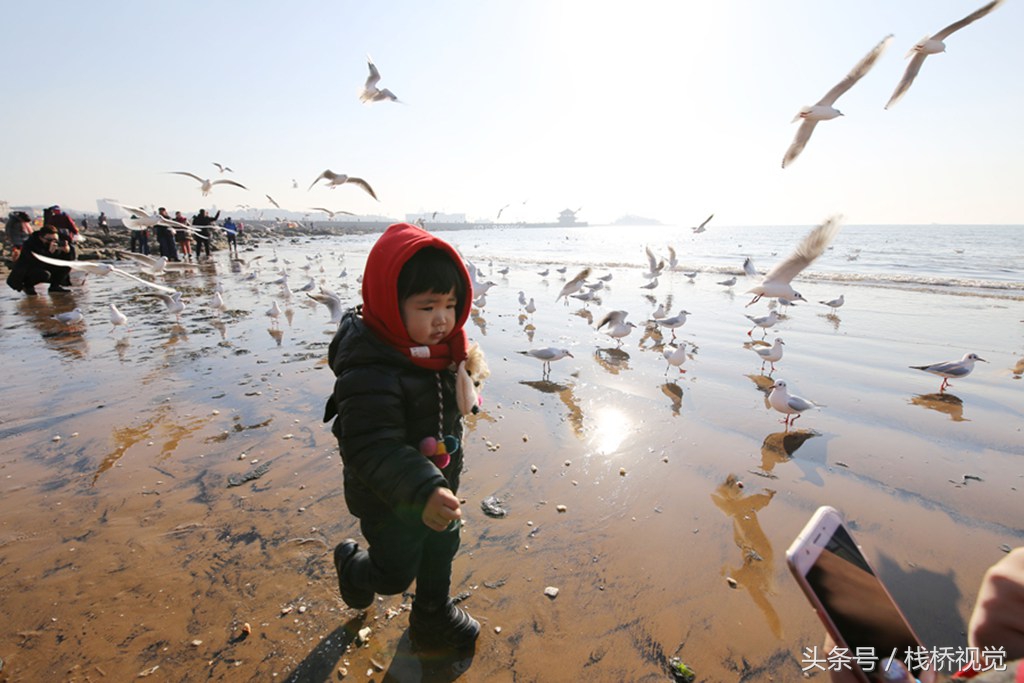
611 427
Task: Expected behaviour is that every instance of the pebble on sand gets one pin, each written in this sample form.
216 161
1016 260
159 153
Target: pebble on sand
551 592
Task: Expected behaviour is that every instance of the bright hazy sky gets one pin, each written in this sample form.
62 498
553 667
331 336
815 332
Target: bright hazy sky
671 110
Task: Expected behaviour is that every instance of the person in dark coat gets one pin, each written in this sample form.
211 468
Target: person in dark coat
28 271
203 221
67 235
399 428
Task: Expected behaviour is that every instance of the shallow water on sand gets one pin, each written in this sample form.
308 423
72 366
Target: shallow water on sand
123 548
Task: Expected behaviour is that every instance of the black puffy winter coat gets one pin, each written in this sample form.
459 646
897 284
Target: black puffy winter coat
383 406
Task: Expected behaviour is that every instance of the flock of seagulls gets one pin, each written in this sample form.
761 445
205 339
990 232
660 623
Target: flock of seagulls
824 109
777 284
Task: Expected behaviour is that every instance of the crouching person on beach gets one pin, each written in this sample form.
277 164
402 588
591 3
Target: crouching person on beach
398 421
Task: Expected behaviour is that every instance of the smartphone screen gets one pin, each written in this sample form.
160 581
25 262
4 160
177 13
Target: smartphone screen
847 592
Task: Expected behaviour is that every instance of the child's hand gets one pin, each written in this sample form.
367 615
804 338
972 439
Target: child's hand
441 509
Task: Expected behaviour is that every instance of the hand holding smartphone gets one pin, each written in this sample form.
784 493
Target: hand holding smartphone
848 596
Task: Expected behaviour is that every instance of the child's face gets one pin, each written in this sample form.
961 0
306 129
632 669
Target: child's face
429 317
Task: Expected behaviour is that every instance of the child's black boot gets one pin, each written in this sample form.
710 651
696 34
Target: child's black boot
445 627
356 598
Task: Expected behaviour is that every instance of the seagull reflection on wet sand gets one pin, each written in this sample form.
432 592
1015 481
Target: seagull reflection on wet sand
675 395
947 403
755 573
779 447
612 360
566 396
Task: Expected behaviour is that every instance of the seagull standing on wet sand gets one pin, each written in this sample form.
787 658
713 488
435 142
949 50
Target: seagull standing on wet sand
674 322
274 312
789 405
930 45
547 356
675 356
71 317
117 319
823 109
951 369
777 282
765 322
770 354
835 303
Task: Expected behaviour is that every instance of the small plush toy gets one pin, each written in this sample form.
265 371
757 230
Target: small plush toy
469 378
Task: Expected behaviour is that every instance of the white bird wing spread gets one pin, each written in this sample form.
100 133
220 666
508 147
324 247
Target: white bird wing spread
225 181
161 288
144 259
374 77
326 174
969 19
99 269
651 260
93 268
858 72
190 175
803 134
809 249
908 77
363 184
613 317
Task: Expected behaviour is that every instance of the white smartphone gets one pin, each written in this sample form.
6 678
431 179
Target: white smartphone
848 596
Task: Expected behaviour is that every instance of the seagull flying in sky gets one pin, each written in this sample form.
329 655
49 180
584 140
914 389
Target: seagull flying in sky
335 179
370 91
331 214
222 168
206 184
930 45
702 227
823 109
777 282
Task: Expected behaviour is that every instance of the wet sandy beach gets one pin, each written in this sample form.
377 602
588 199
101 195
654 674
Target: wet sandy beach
125 551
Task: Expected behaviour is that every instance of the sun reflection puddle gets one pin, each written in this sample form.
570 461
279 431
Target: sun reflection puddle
611 427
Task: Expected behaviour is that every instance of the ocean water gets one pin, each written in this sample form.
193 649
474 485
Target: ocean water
954 259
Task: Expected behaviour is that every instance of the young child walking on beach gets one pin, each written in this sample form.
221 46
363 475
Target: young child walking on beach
399 359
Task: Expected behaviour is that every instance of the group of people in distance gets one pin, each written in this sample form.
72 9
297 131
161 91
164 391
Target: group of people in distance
57 235
192 239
